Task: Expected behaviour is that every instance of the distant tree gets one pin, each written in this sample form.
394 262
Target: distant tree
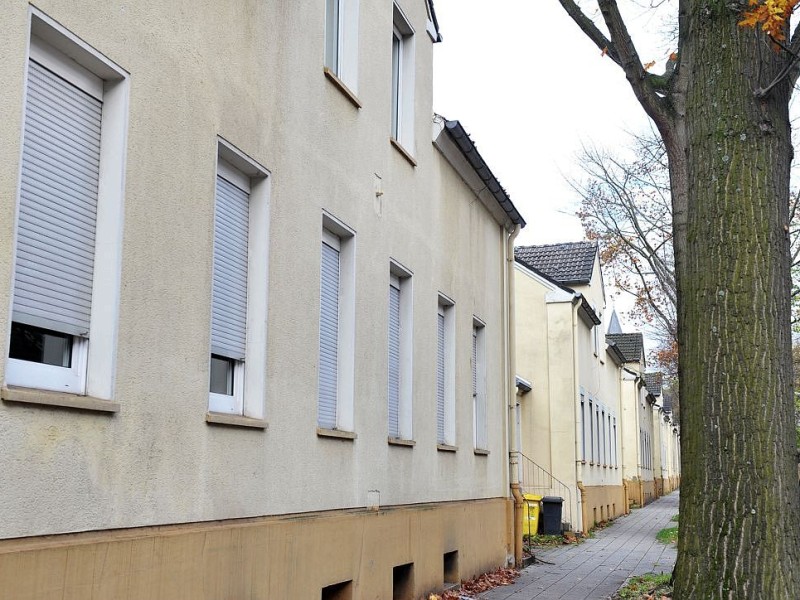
626 207
722 109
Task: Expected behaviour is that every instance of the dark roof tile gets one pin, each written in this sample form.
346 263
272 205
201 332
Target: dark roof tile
568 263
653 383
630 344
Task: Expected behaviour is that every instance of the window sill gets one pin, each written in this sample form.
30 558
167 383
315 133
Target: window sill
342 87
481 452
401 442
336 433
446 448
235 421
405 153
58 399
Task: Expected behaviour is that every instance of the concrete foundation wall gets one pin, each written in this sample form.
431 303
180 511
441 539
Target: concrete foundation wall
601 503
262 558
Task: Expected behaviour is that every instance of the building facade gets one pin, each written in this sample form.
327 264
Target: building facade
570 425
254 319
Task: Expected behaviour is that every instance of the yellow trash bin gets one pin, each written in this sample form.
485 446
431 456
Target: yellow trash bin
530 516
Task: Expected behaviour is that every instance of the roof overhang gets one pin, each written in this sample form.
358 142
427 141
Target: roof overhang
586 312
614 352
523 385
432 27
454 143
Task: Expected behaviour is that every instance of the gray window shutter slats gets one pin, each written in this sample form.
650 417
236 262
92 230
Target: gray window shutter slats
440 381
394 361
328 337
474 363
229 288
58 205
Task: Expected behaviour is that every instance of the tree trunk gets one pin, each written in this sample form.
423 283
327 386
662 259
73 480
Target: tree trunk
740 498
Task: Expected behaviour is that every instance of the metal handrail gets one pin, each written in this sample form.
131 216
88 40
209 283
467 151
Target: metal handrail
535 479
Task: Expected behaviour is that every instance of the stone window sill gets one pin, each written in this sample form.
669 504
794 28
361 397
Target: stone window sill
336 433
481 452
405 153
402 442
59 399
342 87
446 448
235 421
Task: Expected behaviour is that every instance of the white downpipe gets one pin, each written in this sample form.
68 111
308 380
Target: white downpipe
511 393
576 404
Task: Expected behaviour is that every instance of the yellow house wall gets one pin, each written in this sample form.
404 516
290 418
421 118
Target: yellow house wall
601 503
533 364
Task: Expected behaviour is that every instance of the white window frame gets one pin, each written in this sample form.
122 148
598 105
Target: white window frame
583 425
336 232
93 359
480 412
591 431
604 453
403 31
447 308
345 64
249 385
402 277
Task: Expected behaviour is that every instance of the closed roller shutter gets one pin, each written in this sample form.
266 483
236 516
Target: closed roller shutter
58 205
328 337
394 360
440 380
229 290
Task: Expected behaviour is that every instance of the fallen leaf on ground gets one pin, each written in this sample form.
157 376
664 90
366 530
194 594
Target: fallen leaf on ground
482 583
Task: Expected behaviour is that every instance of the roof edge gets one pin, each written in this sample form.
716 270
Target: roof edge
470 152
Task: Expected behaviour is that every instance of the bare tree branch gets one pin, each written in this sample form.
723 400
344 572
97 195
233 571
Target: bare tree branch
644 87
590 29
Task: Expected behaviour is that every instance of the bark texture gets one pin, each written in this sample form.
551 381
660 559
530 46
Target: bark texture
740 498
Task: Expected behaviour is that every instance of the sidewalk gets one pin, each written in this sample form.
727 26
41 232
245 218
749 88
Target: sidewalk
595 569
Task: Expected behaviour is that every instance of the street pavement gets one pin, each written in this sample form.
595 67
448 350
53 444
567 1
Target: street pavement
596 569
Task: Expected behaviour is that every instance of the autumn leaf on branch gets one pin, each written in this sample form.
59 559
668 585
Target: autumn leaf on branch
772 15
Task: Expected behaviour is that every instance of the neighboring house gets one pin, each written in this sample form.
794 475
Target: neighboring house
570 422
637 420
254 321
665 436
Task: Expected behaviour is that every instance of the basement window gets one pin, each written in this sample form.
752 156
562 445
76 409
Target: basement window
338 591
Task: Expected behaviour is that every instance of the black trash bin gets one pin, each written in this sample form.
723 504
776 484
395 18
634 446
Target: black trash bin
551 515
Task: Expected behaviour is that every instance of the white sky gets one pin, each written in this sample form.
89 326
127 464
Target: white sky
530 89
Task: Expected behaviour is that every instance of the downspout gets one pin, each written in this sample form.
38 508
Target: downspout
511 396
621 434
576 390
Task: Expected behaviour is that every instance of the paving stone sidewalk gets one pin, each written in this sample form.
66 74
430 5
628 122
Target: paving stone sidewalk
595 569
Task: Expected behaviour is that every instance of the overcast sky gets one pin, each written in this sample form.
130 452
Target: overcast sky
530 89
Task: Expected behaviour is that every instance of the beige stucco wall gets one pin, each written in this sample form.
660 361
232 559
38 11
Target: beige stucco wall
556 352
260 558
251 72
533 356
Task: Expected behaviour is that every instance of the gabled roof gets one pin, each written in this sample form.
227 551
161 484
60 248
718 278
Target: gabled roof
567 263
653 382
630 344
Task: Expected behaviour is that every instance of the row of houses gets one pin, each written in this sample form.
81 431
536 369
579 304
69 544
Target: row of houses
265 326
595 428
